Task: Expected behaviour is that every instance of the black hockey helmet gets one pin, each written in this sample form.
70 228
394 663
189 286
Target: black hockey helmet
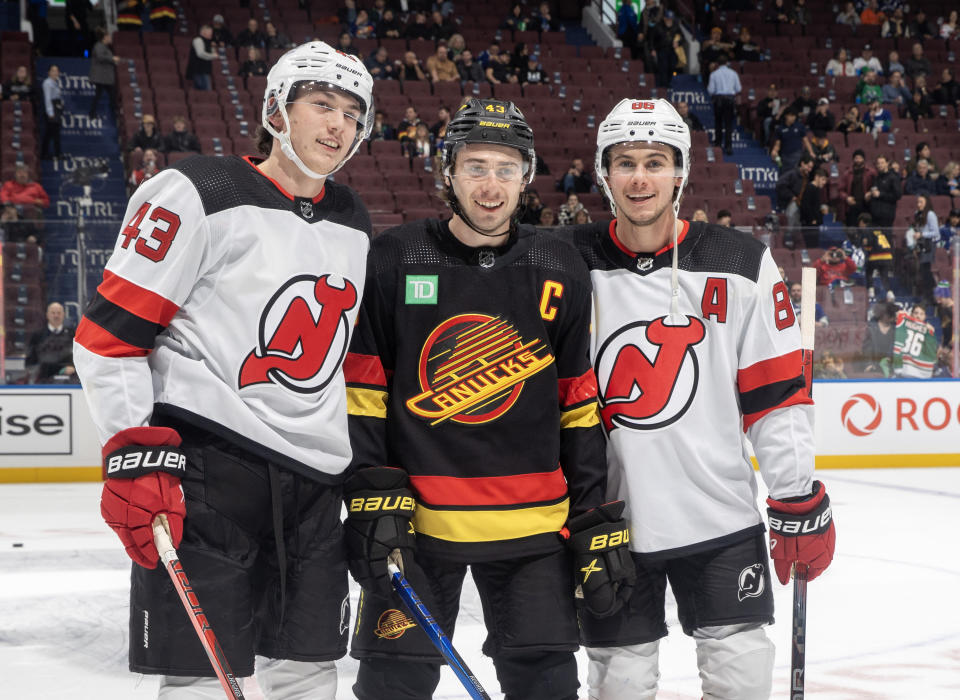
490 122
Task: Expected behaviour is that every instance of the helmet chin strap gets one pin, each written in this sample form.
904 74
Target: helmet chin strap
287 148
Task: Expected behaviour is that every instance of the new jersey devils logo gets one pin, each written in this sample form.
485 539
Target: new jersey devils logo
641 394
303 335
750 582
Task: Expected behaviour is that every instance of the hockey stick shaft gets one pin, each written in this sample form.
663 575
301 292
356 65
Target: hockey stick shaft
168 555
808 320
436 635
798 653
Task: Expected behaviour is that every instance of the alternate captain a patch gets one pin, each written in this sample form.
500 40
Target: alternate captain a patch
472 369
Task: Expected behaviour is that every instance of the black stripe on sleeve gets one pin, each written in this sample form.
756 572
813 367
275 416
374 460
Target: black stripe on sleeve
128 327
770 395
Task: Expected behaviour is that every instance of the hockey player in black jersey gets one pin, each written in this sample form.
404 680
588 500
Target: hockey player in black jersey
473 423
211 360
695 347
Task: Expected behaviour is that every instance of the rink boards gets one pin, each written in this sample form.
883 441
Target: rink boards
46 433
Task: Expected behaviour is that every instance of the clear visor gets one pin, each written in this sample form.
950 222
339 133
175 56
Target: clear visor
480 168
648 163
329 98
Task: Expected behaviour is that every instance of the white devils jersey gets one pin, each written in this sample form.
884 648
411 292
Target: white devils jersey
677 396
228 304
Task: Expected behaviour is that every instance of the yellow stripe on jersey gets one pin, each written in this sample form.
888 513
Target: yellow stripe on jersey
585 416
366 402
490 525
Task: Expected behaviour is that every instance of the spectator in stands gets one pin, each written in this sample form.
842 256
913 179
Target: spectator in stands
922 152
922 238
869 88
254 65
855 183
840 65
660 39
830 366
362 27
275 39
518 59
700 215
822 119
50 350
516 21
788 142
486 57
894 26
680 51
103 71
689 118
407 129
411 69
779 13
849 16
252 36
348 13
20 87
877 119
499 70
379 64
543 19
949 181
804 103
876 353
947 91
834 267
790 188
819 146
724 88
456 45
12 229
418 29
800 13
871 15
389 26
921 28
422 145
148 168
895 92
852 123
878 256
547 217
768 111
345 45
533 73
440 68
917 64
147 136
470 70
439 128
893 63
569 209
628 28
944 300
950 29
533 205
712 49
441 28
376 12
884 193
180 139
866 59
78 31
221 37
918 109
200 62
812 207
25 193
724 218
53 110
577 178
381 130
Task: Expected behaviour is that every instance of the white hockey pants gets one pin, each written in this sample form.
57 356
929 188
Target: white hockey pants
280 679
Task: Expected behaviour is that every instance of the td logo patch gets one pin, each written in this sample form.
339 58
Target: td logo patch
421 289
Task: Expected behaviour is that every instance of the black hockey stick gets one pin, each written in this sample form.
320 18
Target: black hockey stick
168 555
434 633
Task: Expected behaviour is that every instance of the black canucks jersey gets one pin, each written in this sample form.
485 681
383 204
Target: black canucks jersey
470 370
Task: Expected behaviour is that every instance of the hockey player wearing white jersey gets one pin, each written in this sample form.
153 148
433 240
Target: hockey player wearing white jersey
695 347
216 339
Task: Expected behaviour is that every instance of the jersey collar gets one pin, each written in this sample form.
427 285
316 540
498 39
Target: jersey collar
642 263
254 161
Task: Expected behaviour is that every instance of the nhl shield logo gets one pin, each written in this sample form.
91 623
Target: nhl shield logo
306 209
644 264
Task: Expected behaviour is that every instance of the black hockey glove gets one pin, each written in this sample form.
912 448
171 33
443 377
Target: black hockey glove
379 509
603 566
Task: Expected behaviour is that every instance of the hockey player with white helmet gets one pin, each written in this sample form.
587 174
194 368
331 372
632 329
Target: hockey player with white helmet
217 336
473 412
695 348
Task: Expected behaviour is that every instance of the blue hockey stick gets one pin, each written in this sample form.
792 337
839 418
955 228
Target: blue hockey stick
436 635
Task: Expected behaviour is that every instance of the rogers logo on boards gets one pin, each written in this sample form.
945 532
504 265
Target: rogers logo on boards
863 406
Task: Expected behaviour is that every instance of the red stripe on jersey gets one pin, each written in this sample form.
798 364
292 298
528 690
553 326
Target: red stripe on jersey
141 302
617 242
776 369
575 390
250 161
104 343
799 398
364 369
490 490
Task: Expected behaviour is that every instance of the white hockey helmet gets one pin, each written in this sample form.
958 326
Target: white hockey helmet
316 64
651 121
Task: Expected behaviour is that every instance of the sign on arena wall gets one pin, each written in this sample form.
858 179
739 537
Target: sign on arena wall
46 433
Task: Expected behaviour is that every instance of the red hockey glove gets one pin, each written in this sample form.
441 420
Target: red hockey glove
379 510
143 468
603 566
801 531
